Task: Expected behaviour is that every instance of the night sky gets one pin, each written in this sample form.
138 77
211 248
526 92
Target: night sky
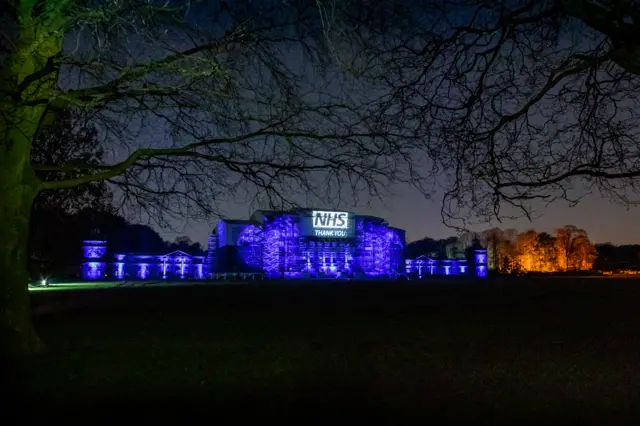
420 217
604 221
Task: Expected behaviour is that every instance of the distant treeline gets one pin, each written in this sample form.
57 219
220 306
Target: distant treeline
612 257
568 249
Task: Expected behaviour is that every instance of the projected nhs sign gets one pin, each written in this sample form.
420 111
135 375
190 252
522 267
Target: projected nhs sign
331 224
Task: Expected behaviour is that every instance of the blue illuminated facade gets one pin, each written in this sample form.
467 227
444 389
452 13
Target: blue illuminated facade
313 244
123 266
94 265
290 244
424 266
481 259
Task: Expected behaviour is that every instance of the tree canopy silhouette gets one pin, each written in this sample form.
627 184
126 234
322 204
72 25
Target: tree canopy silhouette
53 238
517 100
195 103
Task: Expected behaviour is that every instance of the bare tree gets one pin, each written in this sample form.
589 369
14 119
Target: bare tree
492 240
547 252
528 251
574 249
518 101
183 240
195 103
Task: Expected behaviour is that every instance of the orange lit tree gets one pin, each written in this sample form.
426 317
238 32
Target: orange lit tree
574 250
547 252
528 251
531 251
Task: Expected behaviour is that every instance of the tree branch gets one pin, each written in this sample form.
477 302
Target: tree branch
119 168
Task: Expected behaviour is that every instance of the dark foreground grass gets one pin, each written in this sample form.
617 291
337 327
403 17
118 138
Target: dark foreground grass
559 350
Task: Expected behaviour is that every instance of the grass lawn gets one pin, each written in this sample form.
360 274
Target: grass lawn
84 285
539 347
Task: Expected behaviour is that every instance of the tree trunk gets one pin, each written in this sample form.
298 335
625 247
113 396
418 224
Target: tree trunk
18 188
28 74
